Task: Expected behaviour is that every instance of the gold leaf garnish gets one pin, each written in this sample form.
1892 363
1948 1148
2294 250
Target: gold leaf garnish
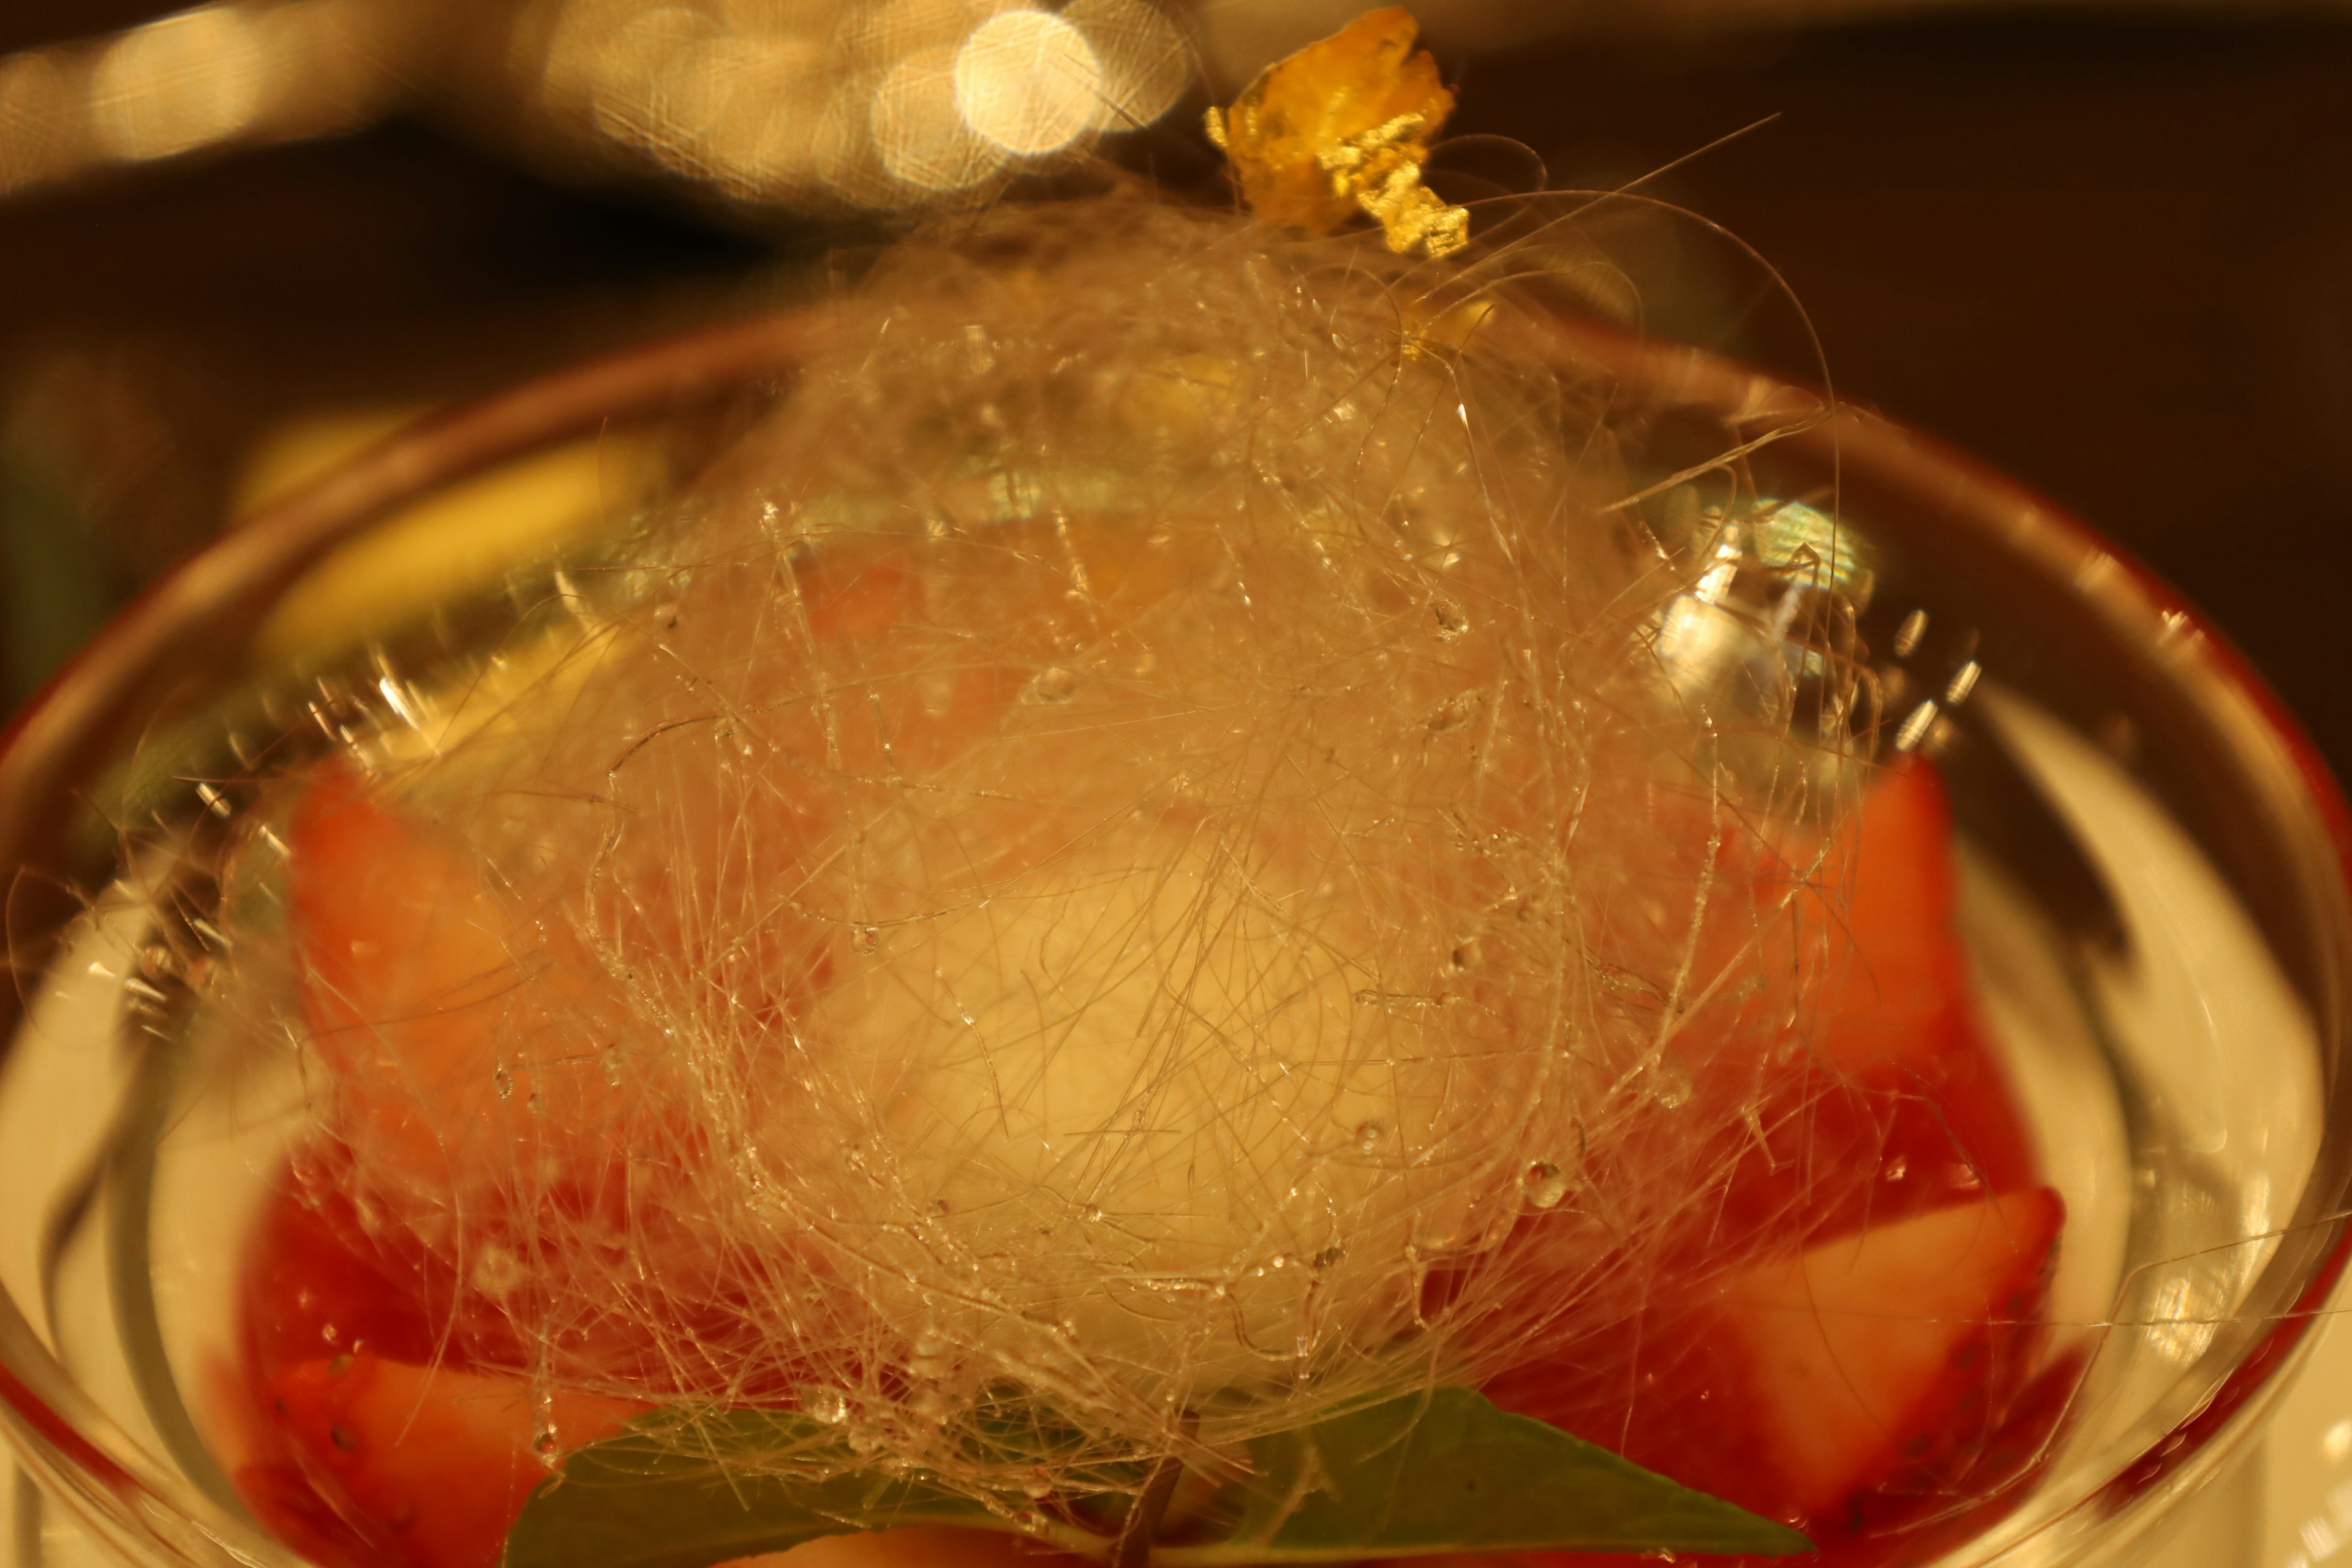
1343 127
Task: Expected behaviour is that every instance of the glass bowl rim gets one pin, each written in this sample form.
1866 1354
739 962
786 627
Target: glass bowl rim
142 656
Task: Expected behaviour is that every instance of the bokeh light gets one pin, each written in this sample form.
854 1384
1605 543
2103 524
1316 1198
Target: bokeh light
1144 63
327 64
751 106
38 125
181 82
787 104
632 82
1028 81
921 133
886 33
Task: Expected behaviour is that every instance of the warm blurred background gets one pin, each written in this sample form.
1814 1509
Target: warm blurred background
2107 246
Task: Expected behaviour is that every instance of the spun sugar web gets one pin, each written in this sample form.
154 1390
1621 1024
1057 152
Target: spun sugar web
1161 848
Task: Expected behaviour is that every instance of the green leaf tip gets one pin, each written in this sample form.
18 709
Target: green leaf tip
1445 1471
1442 1470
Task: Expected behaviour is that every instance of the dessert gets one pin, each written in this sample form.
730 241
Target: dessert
1162 922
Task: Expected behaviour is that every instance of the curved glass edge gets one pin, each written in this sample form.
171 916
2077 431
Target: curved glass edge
151 1514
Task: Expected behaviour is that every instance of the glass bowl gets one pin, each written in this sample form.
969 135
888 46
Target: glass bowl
2153 898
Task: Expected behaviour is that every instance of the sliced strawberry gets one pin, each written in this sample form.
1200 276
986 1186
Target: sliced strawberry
313 1286
1858 1355
1885 1099
282 1498
431 1465
1845 1307
439 1011
922 1546
1898 977
1899 1022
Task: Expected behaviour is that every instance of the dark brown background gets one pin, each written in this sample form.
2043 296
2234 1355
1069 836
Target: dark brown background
2110 253
2114 257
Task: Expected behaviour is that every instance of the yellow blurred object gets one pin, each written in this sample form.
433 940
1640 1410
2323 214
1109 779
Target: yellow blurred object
1343 127
461 542
301 449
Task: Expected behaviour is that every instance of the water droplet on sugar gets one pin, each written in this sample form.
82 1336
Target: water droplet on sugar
544 1440
1280 1260
1054 684
502 1082
1545 1185
612 1066
1368 1135
1036 1484
864 941
496 1270
1091 1213
1451 620
939 696
1671 1086
1453 712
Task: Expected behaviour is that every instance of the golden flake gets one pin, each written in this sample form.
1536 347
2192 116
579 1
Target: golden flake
1342 127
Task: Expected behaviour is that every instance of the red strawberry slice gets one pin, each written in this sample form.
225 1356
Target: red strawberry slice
313 1286
1852 937
1854 1307
1897 976
1896 1105
439 1011
431 1465
1857 1354
1899 1021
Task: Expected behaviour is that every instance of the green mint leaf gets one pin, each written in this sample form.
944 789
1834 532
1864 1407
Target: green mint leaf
1445 1471
1438 1471
685 1491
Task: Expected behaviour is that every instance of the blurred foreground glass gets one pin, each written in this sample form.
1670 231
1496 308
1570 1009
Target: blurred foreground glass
2153 894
